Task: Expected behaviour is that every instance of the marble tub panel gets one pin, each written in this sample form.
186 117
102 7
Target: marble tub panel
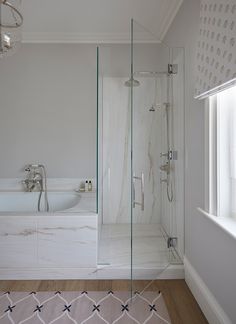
18 242
68 241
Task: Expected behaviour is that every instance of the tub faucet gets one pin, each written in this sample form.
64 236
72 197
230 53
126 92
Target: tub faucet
34 180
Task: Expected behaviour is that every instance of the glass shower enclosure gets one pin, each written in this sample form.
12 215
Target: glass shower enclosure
140 158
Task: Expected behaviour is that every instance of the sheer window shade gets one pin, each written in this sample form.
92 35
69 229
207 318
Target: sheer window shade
216 50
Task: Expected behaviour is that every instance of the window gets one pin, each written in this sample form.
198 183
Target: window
222 153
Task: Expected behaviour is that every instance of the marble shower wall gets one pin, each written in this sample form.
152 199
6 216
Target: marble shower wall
115 151
146 150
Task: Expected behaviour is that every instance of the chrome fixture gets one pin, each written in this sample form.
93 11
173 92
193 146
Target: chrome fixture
172 68
170 155
132 83
34 181
37 181
152 108
163 180
172 242
165 168
155 105
141 204
10 22
150 73
164 154
173 155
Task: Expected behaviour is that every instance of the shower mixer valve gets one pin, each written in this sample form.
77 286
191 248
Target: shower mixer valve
171 155
34 179
164 154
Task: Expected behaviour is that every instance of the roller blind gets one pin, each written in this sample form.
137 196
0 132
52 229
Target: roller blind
216 48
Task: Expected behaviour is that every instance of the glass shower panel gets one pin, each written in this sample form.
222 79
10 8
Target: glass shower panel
173 213
140 158
151 94
114 147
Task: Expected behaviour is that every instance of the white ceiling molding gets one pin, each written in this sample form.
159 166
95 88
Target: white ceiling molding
169 19
86 38
96 21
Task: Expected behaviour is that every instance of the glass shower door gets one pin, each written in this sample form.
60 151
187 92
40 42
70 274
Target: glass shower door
150 85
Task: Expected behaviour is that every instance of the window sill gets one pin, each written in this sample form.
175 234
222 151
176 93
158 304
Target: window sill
226 223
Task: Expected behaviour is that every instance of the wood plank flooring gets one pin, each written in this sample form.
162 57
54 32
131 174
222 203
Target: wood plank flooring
182 306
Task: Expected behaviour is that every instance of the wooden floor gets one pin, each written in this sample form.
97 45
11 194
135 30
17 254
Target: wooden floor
181 304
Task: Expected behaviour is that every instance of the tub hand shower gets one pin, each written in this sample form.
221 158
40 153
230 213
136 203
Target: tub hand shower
37 181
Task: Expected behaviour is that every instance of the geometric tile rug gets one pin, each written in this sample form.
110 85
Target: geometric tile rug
85 307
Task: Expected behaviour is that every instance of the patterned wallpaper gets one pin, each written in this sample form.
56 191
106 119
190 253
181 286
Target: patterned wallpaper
216 50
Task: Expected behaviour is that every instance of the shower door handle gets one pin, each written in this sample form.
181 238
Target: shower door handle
134 203
141 204
142 191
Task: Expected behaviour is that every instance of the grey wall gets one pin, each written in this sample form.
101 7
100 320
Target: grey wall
48 104
48 110
209 249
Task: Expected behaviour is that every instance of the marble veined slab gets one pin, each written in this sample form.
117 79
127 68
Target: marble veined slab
149 246
48 241
18 241
69 241
116 148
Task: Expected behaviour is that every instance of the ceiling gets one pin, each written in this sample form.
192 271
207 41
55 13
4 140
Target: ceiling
95 21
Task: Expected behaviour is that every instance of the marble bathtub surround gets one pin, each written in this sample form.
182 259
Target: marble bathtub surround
58 241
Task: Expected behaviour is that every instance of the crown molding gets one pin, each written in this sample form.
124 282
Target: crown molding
170 19
84 38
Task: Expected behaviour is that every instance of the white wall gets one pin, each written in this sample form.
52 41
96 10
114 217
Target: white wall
209 249
48 110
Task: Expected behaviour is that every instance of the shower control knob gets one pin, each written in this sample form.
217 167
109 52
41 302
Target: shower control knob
163 180
164 154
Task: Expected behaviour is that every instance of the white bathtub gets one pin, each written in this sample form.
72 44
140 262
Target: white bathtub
59 244
27 202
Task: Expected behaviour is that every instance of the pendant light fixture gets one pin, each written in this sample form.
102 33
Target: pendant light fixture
11 21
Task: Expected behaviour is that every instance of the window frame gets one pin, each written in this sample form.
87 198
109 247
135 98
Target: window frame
217 201
211 155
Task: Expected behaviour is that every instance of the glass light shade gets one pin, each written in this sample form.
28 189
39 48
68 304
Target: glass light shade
10 41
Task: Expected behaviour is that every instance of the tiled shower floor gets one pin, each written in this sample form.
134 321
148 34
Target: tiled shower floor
149 247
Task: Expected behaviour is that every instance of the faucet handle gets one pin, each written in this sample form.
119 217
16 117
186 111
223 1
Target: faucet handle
164 154
163 180
34 166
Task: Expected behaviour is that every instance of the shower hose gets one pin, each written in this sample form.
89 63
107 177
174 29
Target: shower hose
45 189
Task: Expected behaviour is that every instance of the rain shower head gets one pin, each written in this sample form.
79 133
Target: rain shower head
132 83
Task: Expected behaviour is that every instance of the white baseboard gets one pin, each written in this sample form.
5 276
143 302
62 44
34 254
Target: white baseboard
207 302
